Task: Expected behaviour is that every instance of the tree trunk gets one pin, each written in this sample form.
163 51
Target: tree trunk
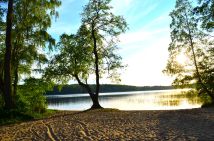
15 67
7 65
95 100
15 82
196 65
94 97
1 86
96 62
1 78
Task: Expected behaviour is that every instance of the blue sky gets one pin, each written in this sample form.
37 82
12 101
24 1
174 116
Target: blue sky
144 47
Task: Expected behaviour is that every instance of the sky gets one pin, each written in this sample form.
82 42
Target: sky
144 47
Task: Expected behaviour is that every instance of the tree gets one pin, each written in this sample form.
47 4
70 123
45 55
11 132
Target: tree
187 37
32 19
206 13
100 21
29 35
92 50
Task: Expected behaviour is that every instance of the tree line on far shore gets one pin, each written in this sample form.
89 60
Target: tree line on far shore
75 88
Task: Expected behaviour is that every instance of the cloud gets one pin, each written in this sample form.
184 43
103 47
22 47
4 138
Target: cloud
159 22
141 15
133 10
139 36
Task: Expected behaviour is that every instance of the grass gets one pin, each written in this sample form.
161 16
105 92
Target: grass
14 116
207 105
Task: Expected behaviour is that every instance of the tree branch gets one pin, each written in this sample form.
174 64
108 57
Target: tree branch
86 86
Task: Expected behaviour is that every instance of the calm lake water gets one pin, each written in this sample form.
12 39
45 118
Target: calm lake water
138 100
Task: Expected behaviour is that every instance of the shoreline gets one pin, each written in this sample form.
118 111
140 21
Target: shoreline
112 93
112 124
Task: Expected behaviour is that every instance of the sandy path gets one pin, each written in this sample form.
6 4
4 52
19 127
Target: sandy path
197 124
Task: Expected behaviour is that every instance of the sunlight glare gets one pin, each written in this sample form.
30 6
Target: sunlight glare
181 59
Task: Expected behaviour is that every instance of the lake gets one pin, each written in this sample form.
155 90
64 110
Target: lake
138 100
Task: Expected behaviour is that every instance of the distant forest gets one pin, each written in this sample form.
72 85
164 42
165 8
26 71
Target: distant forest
76 89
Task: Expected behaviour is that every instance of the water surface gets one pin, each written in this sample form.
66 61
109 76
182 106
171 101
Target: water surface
138 100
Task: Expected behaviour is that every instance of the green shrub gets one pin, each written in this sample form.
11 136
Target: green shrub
30 97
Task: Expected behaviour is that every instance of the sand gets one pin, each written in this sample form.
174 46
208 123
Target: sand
195 124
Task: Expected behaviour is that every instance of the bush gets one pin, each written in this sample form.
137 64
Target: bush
30 97
31 102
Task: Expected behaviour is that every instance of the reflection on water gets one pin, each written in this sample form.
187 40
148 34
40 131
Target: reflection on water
145 100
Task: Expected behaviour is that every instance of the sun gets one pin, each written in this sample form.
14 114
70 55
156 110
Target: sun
182 59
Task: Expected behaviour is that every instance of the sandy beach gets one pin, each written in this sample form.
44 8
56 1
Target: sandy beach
107 124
